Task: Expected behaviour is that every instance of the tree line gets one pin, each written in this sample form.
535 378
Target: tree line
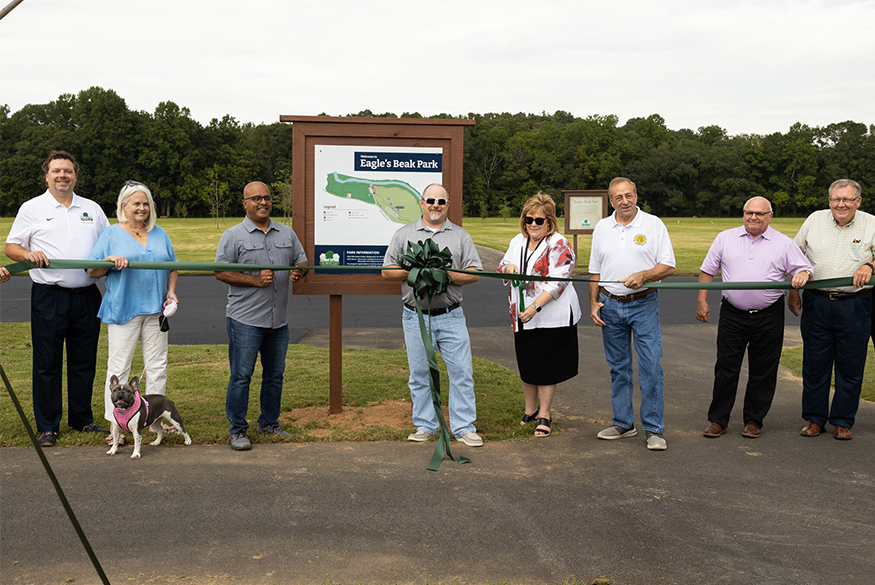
196 171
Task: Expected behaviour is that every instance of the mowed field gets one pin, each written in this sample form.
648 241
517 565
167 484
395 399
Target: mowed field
195 240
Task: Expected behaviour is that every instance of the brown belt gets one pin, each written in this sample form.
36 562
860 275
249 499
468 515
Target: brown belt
840 296
627 298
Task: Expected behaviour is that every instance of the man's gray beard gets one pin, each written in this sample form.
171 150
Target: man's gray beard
434 216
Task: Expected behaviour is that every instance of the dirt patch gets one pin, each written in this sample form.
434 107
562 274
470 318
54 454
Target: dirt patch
394 414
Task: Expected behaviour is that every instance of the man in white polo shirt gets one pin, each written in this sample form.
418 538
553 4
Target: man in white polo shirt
63 303
630 248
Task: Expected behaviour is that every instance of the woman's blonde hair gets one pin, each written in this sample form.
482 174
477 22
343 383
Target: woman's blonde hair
543 203
129 188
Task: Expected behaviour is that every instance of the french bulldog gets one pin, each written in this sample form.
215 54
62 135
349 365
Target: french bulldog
133 413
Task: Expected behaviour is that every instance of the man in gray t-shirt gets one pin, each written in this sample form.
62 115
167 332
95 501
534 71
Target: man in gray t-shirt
447 320
256 311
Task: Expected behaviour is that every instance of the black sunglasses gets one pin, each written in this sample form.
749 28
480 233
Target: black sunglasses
432 201
537 220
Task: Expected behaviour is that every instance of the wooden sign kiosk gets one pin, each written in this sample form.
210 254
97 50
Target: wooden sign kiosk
434 141
584 209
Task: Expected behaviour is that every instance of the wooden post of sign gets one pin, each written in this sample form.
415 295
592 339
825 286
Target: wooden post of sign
335 350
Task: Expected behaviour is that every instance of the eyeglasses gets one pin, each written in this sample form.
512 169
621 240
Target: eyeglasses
756 213
839 200
537 220
432 201
259 198
134 184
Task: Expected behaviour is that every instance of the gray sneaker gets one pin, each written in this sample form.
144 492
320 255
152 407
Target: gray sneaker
274 430
655 442
471 439
420 436
617 432
239 442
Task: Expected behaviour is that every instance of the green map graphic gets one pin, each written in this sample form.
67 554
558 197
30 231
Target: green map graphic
396 199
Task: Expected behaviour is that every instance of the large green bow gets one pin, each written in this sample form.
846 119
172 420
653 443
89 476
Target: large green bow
429 278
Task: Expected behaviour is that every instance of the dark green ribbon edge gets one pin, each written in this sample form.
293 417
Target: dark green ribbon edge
19 267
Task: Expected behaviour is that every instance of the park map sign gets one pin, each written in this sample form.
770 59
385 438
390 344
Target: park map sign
363 194
356 181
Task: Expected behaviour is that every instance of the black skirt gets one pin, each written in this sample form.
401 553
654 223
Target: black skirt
547 355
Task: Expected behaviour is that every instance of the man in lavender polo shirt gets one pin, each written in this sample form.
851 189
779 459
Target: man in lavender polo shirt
752 319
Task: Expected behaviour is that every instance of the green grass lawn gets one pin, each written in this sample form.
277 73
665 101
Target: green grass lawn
198 377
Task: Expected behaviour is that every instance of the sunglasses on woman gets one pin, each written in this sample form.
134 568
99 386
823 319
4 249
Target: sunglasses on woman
537 220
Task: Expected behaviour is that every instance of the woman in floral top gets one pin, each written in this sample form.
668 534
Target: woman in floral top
545 314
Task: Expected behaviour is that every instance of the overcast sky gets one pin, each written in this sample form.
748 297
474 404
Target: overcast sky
749 67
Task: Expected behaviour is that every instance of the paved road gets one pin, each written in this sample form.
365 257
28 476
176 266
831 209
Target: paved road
781 509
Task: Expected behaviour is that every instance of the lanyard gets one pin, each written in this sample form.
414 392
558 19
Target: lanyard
524 269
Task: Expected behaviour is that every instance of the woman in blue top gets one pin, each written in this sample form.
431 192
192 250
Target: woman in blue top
134 299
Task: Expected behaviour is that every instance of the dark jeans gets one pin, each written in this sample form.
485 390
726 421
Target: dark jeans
59 316
245 343
834 332
762 334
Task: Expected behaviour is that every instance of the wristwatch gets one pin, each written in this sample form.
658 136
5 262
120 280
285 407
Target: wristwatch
537 307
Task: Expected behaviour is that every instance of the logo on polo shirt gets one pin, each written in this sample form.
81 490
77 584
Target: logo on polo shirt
85 217
640 239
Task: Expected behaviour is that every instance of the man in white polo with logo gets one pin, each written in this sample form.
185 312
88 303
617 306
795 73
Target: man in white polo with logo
63 303
630 248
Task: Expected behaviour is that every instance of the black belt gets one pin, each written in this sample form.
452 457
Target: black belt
627 298
67 289
840 296
436 312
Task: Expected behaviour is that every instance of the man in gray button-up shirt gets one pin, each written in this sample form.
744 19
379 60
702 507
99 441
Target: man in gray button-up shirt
256 311
445 317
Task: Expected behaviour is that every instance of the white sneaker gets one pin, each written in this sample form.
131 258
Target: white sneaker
471 439
655 442
420 436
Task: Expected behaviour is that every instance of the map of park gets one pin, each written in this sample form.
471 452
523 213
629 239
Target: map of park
398 201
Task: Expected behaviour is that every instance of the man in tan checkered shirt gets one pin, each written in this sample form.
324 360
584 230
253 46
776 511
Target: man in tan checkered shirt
836 323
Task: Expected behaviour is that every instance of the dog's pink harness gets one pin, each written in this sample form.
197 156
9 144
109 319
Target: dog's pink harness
123 416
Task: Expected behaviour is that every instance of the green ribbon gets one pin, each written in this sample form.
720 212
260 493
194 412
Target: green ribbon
429 278
432 273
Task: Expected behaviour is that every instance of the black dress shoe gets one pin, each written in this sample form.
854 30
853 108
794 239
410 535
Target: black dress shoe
93 428
48 438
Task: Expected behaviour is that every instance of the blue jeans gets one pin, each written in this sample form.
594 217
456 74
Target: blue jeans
622 320
244 344
449 336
